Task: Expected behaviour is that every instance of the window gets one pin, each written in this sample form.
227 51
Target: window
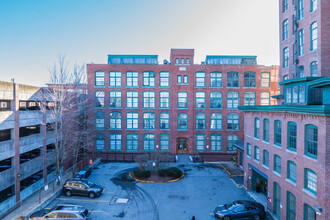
311 140
301 42
265 160
250 79
290 206
5 135
182 121
132 142
115 99
277 164
115 120
314 36
149 121
277 200
292 136
233 121
188 61
266 130
132 99
5 105
300 9
200 79
115 79
182 100
149 142
301 71
286 77
182 60
200 142
216 80
132 79
285 5
132 120
149 79
99 99
164 120
249 98
264 98
256 153
200 121
232 79
216 121
256 127
292 171
179 79
302 93
313 5
265 80
99 78
309 212
185 79
200 100
232 100
314 68
231 140
288 94
99 120
248 149
294 94
176 61
164 99
148 99
99 141
285 57
216 142
277 133
115 142
285 29
310 180
216 100
164 79
164 142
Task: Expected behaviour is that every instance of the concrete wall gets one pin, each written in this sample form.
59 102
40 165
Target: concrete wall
31 142
32 166
6 149
6 120
7 178
28 118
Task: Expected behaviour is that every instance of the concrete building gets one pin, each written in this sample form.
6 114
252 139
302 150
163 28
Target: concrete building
287 146
177 107
26 143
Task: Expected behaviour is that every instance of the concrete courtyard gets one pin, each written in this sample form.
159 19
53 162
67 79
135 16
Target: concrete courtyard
203 188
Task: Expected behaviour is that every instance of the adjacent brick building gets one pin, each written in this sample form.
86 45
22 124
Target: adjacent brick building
287 146
176 107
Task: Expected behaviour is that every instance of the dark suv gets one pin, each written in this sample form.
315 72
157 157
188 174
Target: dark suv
81 187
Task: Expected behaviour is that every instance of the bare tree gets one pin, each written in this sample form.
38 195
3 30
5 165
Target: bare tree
69 111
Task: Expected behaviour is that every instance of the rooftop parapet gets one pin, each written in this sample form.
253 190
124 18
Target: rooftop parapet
133 59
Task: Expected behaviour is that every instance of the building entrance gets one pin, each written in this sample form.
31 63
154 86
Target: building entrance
259 183
182 145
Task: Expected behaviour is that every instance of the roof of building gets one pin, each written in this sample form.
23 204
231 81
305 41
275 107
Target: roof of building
323 110
240 145
230 60
132 59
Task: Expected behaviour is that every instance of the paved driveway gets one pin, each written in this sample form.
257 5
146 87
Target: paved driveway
203 188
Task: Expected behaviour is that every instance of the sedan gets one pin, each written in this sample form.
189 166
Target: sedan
241 209
63 211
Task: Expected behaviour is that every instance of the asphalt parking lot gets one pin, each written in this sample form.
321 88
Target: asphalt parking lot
204 187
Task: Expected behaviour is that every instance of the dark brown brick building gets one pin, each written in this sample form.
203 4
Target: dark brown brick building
176 107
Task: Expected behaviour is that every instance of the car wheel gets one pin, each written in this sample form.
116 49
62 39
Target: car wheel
91 195
68 193
256 217
226 218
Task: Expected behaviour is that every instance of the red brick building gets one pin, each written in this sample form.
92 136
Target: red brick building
176 107
287 146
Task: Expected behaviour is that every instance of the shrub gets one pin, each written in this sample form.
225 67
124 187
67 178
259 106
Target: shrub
163 172
141 173
175 172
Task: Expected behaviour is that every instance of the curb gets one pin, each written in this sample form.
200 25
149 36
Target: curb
146 181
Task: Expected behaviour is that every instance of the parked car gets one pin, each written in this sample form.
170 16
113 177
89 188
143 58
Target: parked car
81 187
63 211
241 209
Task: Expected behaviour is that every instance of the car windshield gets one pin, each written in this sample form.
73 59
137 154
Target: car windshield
230 205
90 184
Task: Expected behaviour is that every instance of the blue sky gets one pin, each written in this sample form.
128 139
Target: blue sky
34 32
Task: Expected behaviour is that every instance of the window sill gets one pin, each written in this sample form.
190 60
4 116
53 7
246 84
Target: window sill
266 142
256 138
291 151
277 146
132 129
290 181
277 174
115 129
257 161
248 156
310 158
264 166
310 193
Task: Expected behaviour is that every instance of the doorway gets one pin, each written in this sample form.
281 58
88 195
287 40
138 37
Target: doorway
182 145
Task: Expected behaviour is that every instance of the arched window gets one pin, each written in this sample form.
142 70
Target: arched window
200 100
115 99
311 140
164 120
216 121
256 127
200 79
132 79
164 99
292 136
249 98
232 100
216 79
182 121
149 120
99 79
216 142
132 120
277 133
132 99
216 100
231 140
99 120
114 120
182 100
310 181
99 99
233 121
132 142
200 121
149 79
264 98
164 142
99 141
114 79
200 142
115 142
149 142
313 36
292 171
266 130
149 99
